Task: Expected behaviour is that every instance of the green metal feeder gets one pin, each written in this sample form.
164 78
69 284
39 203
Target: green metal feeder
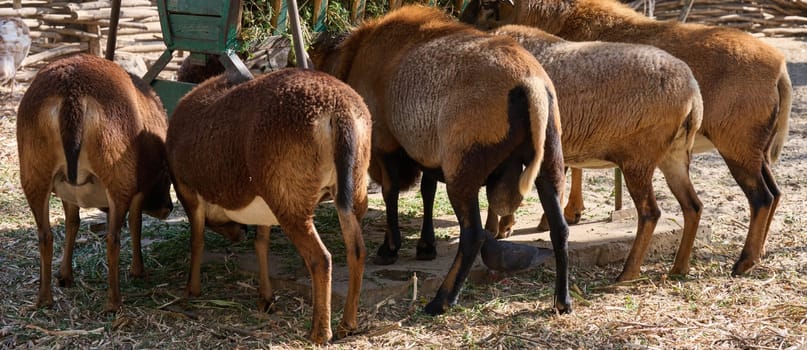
202 27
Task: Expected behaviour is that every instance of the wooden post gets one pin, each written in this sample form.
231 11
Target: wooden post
394 4
685 10
617 189
320 13
459 5
113 30
279 16
357 11
94 44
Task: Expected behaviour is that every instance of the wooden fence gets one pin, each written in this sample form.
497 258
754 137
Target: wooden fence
60 28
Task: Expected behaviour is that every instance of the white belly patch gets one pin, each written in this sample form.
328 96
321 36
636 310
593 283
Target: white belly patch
256 212
91 194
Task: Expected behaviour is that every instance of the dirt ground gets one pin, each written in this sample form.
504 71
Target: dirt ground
766 309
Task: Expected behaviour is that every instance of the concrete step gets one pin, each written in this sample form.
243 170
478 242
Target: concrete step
590 243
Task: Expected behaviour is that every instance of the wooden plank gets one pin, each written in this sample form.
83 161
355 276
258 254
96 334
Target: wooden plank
61 50
26 11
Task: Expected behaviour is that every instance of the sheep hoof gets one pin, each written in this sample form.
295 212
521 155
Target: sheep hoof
343 330
507 256
65 282
385 260
385 256
267 306
112 307
626 276
679 271
139 273
563 307
435 308
574 219
743 266
425 251
543 226
44 301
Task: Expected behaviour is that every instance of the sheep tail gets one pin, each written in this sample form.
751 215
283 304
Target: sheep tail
348 135
71 125
695 117
539 103
781 126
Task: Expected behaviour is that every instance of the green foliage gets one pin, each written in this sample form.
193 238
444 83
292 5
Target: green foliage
256 20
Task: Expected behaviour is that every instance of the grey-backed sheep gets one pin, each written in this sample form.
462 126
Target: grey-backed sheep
744 83
634 106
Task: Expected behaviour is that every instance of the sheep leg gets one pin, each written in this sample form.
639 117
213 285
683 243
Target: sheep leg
317 259
135 230
466 206
115 218
38 202
761 201
640 187
425 249
356 253
777 195
266 300
574 208
390 187
550 184
676 173
492 225
196 216
71 225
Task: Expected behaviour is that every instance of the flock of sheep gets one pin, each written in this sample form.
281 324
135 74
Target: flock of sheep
415 93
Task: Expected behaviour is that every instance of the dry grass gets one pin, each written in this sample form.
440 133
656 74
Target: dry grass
708 310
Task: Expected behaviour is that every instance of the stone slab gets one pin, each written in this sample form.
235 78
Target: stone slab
592 243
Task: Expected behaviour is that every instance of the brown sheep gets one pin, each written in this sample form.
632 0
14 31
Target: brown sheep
465 106
744 83
93 135
614 98
190 72
237 161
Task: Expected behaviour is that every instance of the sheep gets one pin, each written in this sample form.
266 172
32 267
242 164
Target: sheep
234 161
464 106
615 98
196 73
15 42
746 90
93 135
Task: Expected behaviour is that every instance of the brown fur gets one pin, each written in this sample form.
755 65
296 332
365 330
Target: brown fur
744 82
311 138
196 73
615 98
440 93
85 121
